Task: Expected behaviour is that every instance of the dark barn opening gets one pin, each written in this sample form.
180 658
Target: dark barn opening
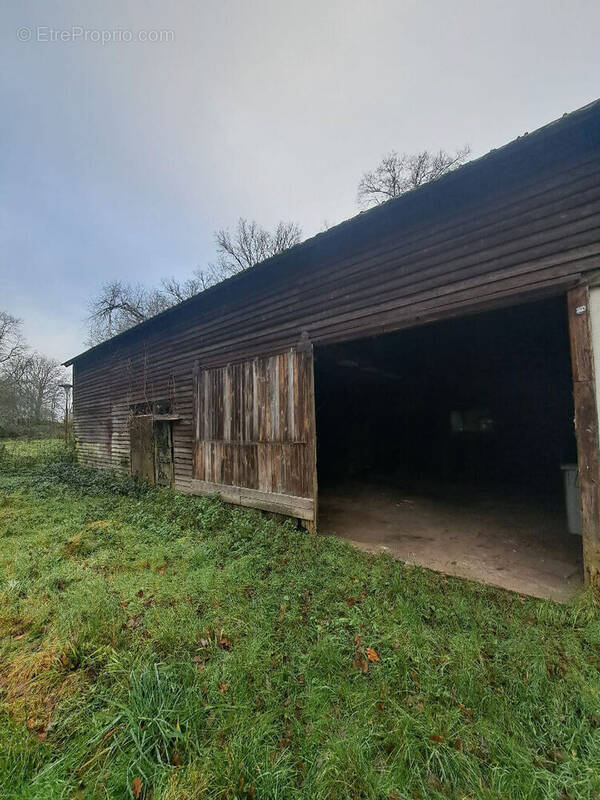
447 444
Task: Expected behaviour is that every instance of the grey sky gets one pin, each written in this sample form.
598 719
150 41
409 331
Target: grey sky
120 160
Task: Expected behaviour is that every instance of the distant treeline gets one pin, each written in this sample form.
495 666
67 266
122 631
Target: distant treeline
32 400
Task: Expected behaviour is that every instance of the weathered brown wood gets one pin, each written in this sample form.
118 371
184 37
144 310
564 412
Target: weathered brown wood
247 437
163 452
586 428
300 507
142 447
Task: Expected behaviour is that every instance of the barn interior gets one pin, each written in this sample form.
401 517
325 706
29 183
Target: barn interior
446 446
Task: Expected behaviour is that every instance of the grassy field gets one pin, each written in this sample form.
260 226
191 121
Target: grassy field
167 647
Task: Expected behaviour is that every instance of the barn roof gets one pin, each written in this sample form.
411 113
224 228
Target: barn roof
569 132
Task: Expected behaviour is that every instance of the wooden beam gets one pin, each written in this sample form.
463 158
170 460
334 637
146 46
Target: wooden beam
586 428
292 506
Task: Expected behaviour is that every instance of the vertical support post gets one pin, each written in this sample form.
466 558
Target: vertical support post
311 526
305 346
586 427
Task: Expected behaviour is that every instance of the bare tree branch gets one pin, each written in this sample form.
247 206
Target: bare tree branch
249 245
397 174
12 344
119 306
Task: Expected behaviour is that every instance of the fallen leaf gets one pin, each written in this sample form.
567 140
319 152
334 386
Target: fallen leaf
140 593
372 654
136 787
459 744
435 737
161 570
222 687
351 601
125 603
224 642
134 622
203 642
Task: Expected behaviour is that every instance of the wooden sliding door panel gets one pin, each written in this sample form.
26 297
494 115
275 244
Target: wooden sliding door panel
255 433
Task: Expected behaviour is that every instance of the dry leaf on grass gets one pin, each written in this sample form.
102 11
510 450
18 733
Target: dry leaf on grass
136 787
372 654
222 687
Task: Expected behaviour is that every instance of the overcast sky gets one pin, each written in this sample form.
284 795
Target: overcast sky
119 160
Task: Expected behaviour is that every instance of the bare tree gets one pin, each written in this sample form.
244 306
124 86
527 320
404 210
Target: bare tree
250 244
176 291
397 174
30 392
119 306
12 343
41 379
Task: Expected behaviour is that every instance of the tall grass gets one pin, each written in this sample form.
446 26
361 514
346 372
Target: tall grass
165 646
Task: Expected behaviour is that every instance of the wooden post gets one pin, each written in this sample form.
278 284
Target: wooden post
586 428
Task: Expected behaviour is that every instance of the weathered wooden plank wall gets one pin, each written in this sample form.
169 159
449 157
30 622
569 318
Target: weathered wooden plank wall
255 429
506 230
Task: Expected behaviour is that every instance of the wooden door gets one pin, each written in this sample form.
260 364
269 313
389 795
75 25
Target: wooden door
141 439
255 434
163 452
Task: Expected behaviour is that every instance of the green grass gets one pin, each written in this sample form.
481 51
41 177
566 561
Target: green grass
186 649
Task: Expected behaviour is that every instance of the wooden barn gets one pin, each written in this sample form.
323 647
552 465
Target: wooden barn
419 378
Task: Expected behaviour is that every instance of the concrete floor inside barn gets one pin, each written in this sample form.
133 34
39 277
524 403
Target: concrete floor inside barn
493 537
